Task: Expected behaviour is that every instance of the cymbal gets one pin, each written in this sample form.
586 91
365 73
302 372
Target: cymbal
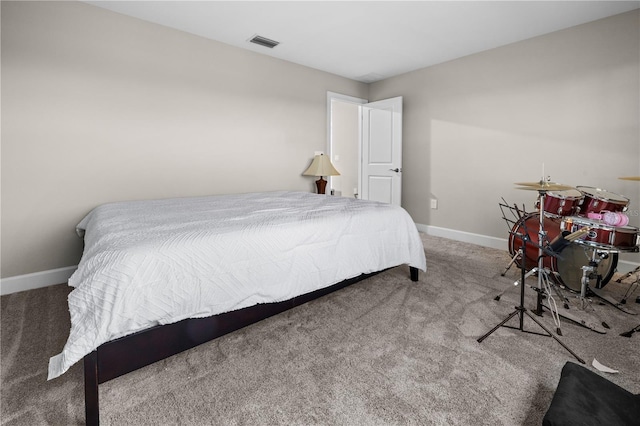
630 178
543 186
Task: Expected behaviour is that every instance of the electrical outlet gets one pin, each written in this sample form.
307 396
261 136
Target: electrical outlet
434 203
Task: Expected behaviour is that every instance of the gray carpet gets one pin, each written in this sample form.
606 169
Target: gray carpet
382 351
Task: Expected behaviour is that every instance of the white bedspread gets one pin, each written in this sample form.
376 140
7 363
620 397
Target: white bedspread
157 262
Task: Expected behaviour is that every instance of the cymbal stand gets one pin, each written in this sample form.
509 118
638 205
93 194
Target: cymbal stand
544 285
627 275
544 289
547 284
520 310
633 287
591 272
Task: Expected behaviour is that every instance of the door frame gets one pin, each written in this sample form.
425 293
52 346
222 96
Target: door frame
333 96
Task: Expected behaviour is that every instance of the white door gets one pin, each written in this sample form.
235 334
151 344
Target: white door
381 149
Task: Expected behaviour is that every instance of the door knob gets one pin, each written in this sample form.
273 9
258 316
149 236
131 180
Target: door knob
397 170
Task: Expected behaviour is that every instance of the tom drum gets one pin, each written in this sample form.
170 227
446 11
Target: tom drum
563 203
597 200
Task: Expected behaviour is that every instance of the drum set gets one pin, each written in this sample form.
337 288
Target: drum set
573 240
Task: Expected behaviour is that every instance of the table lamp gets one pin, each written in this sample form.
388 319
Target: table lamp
321 166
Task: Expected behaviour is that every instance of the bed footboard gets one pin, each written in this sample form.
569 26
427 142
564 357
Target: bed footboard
129 353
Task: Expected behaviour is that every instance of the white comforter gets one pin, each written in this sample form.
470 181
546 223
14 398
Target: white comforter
157 262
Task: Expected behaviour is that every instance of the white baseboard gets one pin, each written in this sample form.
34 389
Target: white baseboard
466 237
35 280
623 267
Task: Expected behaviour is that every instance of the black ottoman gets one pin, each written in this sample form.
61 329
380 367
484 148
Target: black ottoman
585 398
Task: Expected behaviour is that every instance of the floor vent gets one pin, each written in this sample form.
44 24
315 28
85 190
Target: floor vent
263 41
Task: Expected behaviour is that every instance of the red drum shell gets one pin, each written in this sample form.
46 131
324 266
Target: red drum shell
597 200
622 238
563 203
532 223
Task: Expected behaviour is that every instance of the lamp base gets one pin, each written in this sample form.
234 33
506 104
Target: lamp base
321 184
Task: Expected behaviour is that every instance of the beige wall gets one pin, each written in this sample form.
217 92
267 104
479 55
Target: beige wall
474 126
99 107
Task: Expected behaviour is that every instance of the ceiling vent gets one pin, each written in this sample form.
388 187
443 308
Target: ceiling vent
263 41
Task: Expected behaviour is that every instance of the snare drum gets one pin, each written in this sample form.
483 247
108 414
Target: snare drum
621 238
597 200
562 203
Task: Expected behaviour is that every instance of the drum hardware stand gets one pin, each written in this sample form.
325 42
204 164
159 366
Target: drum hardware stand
543 275
630 332
549 283
627 275
531 272
576 318
633 287
598 325
543 292
520 310
544 283
517 214
543 278
518 281
629 291
513 260
590 271
611 301
558 290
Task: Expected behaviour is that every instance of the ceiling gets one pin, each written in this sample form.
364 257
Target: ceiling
369 40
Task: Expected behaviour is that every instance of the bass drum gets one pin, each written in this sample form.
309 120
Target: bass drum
569 266
566 269
530 225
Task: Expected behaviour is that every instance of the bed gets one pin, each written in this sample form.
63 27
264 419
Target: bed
161 276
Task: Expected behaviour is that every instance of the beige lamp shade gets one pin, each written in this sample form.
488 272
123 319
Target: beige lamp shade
321 166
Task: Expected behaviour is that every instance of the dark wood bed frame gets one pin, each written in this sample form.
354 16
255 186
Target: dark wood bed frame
117 357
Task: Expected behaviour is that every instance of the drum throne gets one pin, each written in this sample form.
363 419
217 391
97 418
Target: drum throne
583 397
